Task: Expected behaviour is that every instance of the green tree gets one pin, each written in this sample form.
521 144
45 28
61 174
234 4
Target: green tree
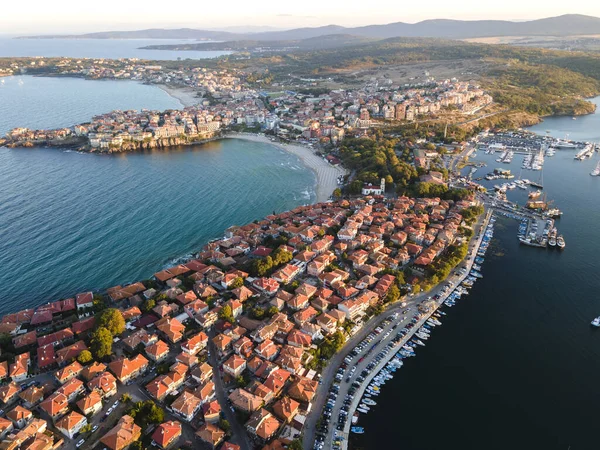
126 398
225 426
272 311
226 314
112 320
101 343
137 445
148 305
296 444
86 428
393 294
85 357
337 192
236 283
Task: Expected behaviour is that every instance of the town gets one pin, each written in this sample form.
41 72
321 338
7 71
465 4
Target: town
227 100
229 346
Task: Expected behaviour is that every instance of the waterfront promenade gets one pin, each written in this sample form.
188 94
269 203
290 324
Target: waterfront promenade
411 309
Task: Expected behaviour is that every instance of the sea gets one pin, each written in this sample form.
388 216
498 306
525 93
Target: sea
100 48
54 102
71 222
515 364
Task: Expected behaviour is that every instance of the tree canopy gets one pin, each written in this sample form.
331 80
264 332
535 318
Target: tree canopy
112 320
101 342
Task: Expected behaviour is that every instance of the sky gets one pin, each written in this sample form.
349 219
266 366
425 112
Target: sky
79 16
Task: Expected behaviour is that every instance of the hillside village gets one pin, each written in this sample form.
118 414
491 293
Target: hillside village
230 343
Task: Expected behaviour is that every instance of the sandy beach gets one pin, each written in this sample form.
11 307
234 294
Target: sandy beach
187 96
326 173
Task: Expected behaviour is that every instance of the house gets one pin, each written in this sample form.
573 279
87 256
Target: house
267 350
93 370
6 427
164 385
9 393
32 396
327 322
234 366
186 405
67 373
211 434
122 435
243 347
267 286
223 344
305 315
105 384
303 390
277 379
72 388
55 406
19 370
167 433
20 416
263 425
90 404
205 392
286 409
157 351
245 401
139 338
171 328
211 411
187 359
299 339
126 369
202 373
3 370
84 300
71 424
195 344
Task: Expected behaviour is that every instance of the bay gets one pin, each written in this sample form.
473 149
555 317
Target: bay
99 48
51 102
515 363
71 222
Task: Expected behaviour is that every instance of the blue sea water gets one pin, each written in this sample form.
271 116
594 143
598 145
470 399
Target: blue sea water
99 48
71 221
49 102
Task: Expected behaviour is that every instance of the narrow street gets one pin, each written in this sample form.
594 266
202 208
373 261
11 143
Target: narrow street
239 435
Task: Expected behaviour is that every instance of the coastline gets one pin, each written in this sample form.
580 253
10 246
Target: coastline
326 174
186 96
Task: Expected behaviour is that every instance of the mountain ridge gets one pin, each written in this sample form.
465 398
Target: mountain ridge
565 25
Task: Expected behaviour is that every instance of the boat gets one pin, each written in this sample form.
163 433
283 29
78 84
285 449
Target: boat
357 430
363 406
354 418
596 322
364 411
596 171
560 241
368 401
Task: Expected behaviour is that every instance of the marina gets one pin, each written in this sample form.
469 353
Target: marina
371 382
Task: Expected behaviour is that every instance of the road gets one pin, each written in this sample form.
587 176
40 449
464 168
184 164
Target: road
239 435
329 372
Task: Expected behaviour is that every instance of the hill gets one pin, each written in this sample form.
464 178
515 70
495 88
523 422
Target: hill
566 25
